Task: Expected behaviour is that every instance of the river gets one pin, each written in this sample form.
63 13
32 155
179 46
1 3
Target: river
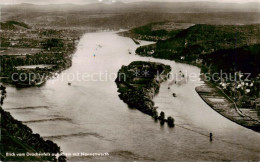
89 117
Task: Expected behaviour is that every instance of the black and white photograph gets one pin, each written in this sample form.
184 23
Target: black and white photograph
129 80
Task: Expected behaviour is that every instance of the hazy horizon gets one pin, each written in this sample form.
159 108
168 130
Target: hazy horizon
44 2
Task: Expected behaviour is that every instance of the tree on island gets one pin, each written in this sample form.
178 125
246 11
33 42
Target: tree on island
161 118
170 121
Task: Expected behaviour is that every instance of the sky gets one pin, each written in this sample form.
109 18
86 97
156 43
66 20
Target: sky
42 2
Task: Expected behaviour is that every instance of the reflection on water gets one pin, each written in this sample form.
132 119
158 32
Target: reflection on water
88 116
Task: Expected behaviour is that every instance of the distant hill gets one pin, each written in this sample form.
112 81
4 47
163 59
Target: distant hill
204 39
128 15
166 7
245 59
229 48
13 25
209 38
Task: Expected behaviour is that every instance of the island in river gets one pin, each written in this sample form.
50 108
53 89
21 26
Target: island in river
202 45
139 82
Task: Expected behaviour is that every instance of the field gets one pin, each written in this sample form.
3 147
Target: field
19 51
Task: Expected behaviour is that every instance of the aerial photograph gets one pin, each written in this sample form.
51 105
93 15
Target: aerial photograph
129 80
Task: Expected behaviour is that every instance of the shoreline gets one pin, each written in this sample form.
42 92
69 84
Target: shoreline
238 118
138 91
16 137
56 49
49 74
220 103
19 142
244 120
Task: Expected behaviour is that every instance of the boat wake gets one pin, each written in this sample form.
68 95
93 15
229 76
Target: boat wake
44 120
28 107
74 135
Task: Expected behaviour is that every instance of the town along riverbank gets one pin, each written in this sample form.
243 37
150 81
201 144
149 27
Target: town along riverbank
203 46
118 130
139 82
31 56
18 142
224 105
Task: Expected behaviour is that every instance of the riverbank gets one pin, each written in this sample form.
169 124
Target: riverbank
221 103
18 142
243 116
56 48
166 50
22 65
139 82
119 130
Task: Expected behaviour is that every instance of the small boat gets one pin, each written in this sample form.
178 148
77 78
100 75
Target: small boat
174 94
69 83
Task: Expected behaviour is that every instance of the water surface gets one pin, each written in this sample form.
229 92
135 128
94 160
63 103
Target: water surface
88 116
